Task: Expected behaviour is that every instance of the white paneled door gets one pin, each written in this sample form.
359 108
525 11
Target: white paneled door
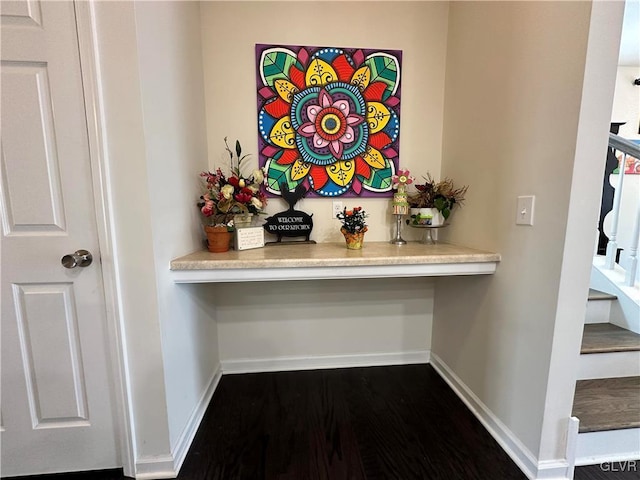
56 398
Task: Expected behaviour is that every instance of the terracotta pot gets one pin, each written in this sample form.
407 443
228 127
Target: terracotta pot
218 238
354 240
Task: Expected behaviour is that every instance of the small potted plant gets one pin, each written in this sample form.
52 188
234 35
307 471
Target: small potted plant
227 198
353 226
434 202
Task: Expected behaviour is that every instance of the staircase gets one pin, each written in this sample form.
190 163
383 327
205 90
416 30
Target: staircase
607 396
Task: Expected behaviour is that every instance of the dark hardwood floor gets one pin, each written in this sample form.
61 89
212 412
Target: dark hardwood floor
360 423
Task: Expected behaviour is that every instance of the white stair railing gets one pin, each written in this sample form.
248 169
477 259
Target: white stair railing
612 245
632 268
627 149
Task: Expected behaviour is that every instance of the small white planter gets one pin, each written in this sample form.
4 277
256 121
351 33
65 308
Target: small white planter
426 217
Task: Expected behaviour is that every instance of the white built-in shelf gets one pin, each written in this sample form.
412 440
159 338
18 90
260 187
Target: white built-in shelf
332 261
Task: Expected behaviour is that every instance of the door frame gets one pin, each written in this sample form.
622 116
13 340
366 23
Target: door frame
94 111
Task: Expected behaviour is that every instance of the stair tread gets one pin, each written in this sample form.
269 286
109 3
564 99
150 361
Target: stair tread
607 337
607 404
598 295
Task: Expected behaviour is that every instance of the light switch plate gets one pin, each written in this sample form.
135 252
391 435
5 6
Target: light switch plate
524 211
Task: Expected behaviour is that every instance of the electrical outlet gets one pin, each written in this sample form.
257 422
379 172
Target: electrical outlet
337 208
524 213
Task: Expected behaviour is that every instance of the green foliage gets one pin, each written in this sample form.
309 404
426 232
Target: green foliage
353 221
442 195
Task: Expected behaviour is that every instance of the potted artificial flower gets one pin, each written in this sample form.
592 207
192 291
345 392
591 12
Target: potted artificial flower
434 202
228 197
353 226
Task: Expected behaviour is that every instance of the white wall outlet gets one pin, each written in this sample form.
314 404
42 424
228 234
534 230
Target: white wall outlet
524 211
337 208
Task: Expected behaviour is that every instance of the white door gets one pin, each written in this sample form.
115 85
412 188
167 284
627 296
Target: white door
56 383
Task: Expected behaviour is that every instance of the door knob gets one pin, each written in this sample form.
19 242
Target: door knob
81 258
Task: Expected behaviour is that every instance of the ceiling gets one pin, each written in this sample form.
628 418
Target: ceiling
630 42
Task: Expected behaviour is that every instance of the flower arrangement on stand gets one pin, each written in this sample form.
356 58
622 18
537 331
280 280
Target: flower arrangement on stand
354 226
435 200
400 204
401 180
228 197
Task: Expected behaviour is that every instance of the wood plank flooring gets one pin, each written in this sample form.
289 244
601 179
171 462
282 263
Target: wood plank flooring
359 423
607 403
606 338
373 423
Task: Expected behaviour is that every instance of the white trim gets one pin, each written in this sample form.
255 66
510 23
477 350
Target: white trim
181 448
552 470
94 110
155 467
519 453
608 446
572 444
283 364
168 466
322 273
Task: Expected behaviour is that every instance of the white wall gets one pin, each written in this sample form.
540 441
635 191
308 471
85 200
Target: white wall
133 255
512 100
171 81
230 32
151 81
337 318
371 316
513 92
584 207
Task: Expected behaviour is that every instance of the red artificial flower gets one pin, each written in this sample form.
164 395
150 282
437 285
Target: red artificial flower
243 197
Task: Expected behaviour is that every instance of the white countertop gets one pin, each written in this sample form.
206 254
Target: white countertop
332 261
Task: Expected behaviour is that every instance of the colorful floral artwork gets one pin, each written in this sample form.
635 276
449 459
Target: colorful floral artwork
329 118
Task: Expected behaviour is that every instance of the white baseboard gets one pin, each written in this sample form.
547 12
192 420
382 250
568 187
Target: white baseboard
168 466
553 470
519 453
153 467
181 448
282 364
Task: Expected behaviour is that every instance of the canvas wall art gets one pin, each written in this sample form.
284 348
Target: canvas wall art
328 118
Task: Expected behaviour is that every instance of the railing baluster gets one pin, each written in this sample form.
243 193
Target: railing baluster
630 277
612 246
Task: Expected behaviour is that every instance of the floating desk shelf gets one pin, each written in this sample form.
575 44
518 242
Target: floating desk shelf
333 261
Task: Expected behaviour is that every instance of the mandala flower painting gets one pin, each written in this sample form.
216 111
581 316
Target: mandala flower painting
329 118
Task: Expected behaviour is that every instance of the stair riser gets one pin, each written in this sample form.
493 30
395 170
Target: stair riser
627 309
609 365
609 446
598 311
